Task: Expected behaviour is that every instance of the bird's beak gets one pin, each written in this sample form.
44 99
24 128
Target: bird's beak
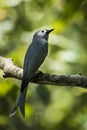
49 31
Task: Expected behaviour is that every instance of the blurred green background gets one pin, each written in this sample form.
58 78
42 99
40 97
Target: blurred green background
47 107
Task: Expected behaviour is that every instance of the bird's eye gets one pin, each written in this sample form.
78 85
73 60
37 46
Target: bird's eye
42 31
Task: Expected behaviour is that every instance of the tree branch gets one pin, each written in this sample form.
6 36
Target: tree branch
10 70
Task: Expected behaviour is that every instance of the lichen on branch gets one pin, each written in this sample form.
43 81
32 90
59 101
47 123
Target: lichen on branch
11 70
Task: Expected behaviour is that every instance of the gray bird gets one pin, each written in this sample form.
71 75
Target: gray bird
34 57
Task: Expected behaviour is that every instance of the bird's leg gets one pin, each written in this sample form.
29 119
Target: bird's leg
39 72
36 75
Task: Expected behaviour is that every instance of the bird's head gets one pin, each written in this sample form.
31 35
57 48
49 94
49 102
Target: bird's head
43 33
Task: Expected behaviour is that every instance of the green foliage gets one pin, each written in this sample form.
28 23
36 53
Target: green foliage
47 107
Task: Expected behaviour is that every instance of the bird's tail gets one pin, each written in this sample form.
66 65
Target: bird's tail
20 102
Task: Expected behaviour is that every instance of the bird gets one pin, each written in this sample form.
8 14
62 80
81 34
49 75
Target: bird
34 57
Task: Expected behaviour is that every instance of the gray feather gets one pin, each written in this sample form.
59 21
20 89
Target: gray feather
20 102
34 57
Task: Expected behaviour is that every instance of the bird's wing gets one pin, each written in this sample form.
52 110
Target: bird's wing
27 60
34 57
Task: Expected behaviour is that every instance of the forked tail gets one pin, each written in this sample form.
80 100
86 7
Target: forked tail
20 102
